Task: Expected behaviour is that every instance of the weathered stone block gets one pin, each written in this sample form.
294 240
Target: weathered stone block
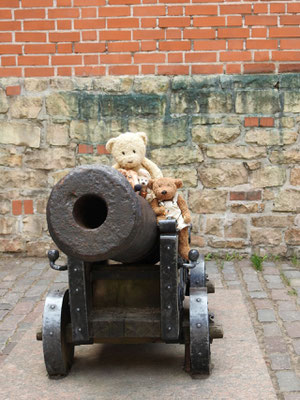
252 165
94 131
177 155
26 107
3 102
285 156
223 174
263 137
58 134
226 244
39 248
214 226
161 132
9 158
20 134
216 102
36 84
268 176
57 176
245 208
62 105
289 137
291 102
64 83
5 204
94 159
287 200
287 122
200 134
272 221
266 236
109 84
8 225
292 236
224 134
33 226
159 85
188 175
207 201
52 158
198 241
23 179
12 245
236 228
234 151
257 102
295 176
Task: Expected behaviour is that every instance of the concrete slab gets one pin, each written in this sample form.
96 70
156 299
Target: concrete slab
150 371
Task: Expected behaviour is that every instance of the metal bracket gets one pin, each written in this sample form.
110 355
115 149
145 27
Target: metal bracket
79 305
198 274
53 256
169 297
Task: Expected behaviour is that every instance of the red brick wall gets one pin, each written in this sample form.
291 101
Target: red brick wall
117 37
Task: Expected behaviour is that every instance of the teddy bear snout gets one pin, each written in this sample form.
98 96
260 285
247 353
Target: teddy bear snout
164 192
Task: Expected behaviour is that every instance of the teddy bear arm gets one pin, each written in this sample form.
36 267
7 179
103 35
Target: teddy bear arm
156 208
152 168
184 209
116 166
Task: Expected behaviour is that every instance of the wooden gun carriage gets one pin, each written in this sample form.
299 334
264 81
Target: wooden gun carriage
94 216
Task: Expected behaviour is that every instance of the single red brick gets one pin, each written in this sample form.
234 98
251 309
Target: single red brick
175 10
278 8
13 90
64 3
63 13
233 33
114 11
89 23
42 25
30 37
10 49
124 47
259 67
90 71
8 61
64 48
285 32
124 70
35 3
235 44
149 58
5 37
261 56
17 207
28 206
263 20
235 9
30 14
266 121
33 60
251 121
148 23
38 49
175 58
200 57
101 149
39 72
173 34
201 10
173 69
235 56
10 3
5 14
148 69
91 59
207 69
174 22
209 21
10 26
117 35
89 13
6 72
148 11
209 44
64 36
149 45
253 195
64 71
289 67
234 21
67 60
174 45
85 149
64 24
89 47
237 196
233 68
289 44
89 35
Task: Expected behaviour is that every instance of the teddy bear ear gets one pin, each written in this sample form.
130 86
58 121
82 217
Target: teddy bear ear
178 183
143 136
110 144
150 183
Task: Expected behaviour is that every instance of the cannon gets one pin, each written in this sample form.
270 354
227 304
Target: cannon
126 282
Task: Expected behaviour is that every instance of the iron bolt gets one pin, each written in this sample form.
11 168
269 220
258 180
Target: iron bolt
198 325
197 282
198 300
75 269
169 307
76 290
51 333
169 328
168 287
168 267
52 306
78 309
79 329
168 247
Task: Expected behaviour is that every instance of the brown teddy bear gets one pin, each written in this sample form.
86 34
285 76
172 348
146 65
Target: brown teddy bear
169 203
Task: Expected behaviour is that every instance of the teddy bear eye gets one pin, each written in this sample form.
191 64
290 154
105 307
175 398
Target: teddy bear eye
123 152
133 151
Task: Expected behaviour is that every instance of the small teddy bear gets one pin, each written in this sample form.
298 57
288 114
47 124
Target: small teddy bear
131 176
129 151
169 203
145 192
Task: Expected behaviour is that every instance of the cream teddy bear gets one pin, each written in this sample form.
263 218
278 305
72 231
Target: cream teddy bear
129 151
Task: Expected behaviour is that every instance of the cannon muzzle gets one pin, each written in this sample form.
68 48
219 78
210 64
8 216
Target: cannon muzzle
93 214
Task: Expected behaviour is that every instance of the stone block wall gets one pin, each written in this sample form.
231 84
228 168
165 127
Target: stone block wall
234 140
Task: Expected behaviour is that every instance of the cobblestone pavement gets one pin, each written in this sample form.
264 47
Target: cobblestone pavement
272 298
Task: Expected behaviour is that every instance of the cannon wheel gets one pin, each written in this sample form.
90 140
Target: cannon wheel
58 354
199 346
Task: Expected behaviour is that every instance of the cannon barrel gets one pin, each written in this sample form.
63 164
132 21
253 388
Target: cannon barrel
93 214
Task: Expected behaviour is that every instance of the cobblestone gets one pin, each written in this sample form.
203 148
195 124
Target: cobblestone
266 316
280 361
